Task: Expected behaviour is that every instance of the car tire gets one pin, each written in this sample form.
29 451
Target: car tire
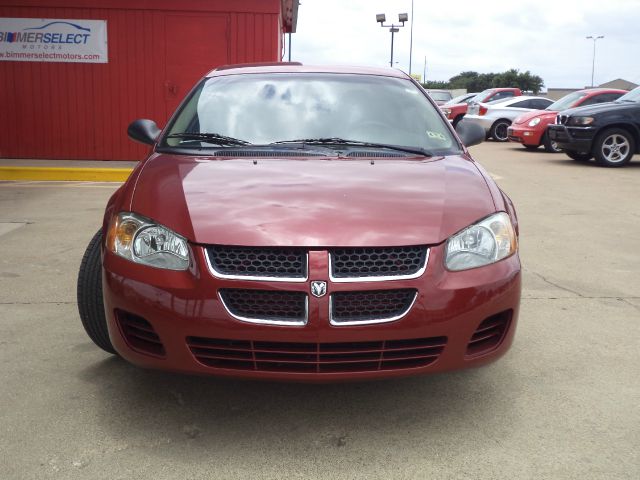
531 147
614 148
89 291
579 156
499 130
456 120
549 145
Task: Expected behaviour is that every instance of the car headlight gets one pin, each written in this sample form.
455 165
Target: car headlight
141 240
534 122
580 121
446 111
483 243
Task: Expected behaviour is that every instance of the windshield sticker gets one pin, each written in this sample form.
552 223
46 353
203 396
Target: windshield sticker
436 135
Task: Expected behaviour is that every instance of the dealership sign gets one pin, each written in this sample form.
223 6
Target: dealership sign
53 40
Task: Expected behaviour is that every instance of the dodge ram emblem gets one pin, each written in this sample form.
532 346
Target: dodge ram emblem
318 288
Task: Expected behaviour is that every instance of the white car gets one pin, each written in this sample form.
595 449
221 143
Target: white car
495 117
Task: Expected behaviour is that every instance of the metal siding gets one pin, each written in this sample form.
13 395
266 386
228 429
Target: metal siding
81 111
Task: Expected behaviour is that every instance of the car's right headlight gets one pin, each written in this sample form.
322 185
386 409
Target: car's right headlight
144 241
483 243
446 111
534 122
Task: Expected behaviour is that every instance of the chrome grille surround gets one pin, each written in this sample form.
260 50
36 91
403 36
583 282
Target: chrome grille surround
410 297
385 276
291 315
258 276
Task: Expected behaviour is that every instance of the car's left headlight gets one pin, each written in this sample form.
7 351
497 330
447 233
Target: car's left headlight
534 122
482 243
580 121
144 241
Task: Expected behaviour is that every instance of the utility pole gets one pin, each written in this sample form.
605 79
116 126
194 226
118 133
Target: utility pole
424 72
593 62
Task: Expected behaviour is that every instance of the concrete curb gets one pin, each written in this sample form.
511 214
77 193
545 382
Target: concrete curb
65 174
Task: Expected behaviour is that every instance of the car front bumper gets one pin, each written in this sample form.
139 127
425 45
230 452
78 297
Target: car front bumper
525 135
183 306
576 139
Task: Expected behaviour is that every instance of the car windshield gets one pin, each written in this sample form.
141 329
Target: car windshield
261 109
632 96
481 96
440 96
459 99
567 101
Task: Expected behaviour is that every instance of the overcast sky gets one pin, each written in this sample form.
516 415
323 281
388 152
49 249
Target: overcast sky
546 37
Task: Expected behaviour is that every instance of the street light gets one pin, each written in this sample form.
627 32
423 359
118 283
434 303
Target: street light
593 63
381 18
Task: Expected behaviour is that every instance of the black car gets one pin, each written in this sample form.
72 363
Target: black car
610 132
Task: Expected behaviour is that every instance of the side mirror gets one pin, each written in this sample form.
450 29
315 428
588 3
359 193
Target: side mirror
470 133
143 131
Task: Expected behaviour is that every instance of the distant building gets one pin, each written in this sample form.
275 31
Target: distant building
620 83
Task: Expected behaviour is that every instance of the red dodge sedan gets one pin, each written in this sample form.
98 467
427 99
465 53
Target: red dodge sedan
305 223
530 129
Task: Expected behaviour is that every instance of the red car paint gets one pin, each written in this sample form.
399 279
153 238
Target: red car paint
317 203
521 132
455 112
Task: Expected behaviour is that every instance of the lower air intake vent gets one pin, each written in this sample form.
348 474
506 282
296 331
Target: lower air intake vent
139 334
316 357
489 334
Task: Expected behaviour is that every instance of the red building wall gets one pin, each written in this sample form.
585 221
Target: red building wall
157 51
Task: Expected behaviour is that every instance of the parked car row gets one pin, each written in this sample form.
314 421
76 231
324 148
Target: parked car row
597 122
455 111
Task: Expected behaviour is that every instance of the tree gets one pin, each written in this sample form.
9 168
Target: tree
476 82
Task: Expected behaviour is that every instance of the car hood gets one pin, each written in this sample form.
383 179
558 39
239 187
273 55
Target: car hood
528 116
601 107
318 202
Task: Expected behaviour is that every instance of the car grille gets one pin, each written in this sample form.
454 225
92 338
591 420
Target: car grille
561 119
139 334
347 264
370 306
266 306
489 334
316 357
258 263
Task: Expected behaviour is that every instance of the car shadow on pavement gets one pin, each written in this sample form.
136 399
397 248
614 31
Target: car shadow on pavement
152 407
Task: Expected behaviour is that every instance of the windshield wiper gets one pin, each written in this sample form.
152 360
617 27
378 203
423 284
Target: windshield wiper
356 143
213 138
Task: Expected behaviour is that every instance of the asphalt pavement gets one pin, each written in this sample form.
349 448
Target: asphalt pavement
564 403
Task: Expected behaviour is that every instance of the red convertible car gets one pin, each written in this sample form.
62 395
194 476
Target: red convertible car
530 129
305 223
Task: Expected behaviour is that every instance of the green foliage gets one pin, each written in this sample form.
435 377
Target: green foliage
436 85
476 82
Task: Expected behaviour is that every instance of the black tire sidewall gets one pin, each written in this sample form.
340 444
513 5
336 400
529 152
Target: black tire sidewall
548 144
495 126
89 295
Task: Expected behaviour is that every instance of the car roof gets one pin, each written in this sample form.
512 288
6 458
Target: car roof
294 67
596 90
520 98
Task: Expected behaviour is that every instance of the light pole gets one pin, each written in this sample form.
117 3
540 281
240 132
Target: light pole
381 18
593 63
411 40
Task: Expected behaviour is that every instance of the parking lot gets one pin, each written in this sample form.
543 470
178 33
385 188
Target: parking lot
564 403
